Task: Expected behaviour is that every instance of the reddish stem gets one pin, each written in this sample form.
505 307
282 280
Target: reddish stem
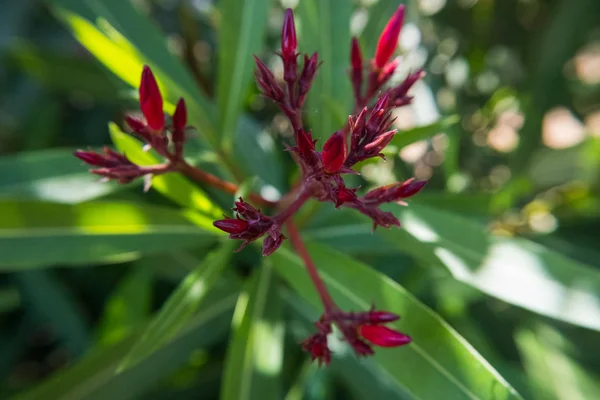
298 243
214 181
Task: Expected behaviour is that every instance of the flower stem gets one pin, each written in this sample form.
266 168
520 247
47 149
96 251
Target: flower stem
298 243
294 206
216 182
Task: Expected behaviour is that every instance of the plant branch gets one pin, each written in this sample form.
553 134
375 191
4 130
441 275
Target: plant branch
216 182
296 240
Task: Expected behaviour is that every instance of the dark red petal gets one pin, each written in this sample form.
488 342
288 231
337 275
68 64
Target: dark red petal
288 36
335 151
389 38
378 317
91 158
383 336
231 225
151 102
356 59
136 124
180 116
410 188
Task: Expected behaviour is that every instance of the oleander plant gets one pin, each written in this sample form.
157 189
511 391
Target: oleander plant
313 199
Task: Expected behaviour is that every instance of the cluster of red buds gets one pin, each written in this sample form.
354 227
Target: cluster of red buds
360 329
166 140
367 133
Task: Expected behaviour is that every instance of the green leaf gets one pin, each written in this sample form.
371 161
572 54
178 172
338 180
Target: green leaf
53 175
325 27
51 300
241 31
514 270
255 354
256 151
550 371
124 40
181 305
95 232
173 186
64 72
437 364
95 377
128 306
404 138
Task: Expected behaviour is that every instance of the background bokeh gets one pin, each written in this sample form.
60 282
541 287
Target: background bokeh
510 117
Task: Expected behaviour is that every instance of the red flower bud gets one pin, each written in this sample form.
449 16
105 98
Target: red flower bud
316 345
383 336
288 36
309 70
271 244
356 72
378 317
344 195
335 151
389 38
151 101
409 188
231 225
267 82
136 124
180 116
356 59
306 143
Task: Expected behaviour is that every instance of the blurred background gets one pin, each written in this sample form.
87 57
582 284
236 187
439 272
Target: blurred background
510 110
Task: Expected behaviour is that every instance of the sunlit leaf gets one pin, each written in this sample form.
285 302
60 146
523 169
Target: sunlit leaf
124 40
515 270
99 232
173 185
255 354
181 305
552 373
438 363
241 32
54 175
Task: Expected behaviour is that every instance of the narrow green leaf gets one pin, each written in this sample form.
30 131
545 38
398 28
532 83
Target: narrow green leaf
181 305
255 354
64 72
124 40
551 373
173 186
325 27
242 27
514 270
53 175
128 307
46 296
404 138
95 377
95 232
437 364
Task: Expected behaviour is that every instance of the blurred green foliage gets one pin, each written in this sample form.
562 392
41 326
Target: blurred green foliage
498 258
